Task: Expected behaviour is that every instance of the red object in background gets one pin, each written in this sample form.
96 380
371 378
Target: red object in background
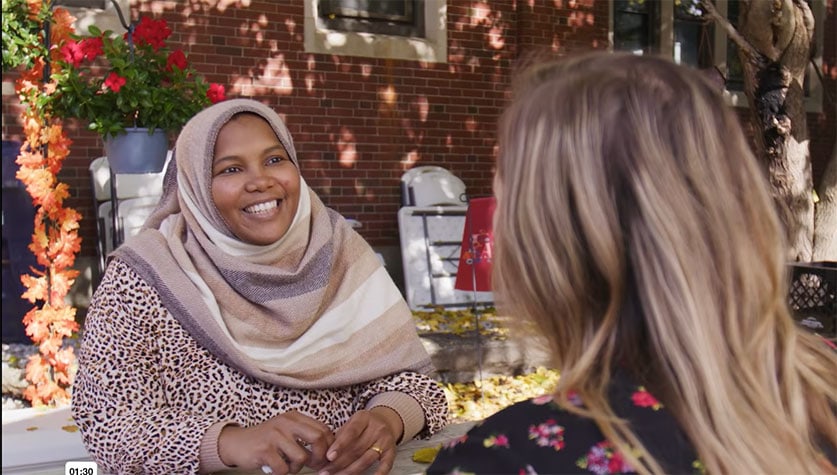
477 243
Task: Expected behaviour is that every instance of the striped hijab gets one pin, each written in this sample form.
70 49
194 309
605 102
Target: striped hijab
316 309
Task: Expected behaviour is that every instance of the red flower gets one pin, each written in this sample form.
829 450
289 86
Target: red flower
176 58
73 53
215 93
114 82
617 464
151 32
91 47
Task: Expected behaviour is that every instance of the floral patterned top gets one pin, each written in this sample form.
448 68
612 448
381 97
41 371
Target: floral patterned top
538 437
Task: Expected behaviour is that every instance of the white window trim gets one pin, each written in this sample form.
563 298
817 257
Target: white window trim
433 48
814 100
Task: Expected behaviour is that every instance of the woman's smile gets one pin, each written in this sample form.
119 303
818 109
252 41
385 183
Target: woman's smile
264 208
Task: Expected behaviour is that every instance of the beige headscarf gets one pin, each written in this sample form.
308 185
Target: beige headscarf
315 309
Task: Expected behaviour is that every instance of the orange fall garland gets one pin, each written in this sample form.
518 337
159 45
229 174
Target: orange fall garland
55 240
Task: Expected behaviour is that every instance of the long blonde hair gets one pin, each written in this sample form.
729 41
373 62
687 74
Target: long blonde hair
634 228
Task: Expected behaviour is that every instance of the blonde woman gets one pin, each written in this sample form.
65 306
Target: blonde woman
635 231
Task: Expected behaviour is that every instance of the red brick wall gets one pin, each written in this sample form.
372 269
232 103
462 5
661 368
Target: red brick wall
359 123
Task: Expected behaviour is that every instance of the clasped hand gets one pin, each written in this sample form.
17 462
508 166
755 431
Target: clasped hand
288 442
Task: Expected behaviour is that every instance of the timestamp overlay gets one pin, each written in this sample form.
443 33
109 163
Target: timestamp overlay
81 468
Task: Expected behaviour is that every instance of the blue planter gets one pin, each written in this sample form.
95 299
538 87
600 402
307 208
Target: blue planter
137 151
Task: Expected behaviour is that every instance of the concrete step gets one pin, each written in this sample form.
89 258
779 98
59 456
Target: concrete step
457 357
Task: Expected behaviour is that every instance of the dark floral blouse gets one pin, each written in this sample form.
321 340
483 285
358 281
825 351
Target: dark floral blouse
538 437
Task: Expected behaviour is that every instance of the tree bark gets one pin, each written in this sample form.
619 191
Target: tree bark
782 32
825 229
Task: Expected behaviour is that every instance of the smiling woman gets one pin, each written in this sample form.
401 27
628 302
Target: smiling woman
248 326
255 185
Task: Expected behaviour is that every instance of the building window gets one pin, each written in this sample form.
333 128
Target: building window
383 17
398 29
677 30
633 26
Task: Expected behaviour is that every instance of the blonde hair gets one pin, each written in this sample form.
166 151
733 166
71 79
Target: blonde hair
634 227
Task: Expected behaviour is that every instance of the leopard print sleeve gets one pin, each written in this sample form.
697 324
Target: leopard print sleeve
424 390
118 399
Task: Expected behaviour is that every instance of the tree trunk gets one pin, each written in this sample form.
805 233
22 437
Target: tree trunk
782 32
825 230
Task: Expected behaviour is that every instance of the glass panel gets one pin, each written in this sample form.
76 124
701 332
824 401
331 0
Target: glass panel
735 72
380 17
632 26
692 35
388 10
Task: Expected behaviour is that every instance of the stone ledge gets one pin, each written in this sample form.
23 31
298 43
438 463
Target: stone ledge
457 357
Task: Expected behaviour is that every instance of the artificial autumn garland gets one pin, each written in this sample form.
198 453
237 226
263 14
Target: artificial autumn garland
55 240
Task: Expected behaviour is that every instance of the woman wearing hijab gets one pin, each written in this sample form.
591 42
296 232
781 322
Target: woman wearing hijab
248 326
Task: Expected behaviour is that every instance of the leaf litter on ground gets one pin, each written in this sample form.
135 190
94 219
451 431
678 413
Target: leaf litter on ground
474 401
462 322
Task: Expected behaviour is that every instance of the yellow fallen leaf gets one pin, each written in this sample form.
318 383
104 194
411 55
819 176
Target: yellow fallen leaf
72 428
427 454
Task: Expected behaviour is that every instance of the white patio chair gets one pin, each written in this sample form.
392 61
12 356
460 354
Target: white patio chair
432 186
136 196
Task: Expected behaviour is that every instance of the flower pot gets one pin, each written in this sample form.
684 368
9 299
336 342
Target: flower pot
137 151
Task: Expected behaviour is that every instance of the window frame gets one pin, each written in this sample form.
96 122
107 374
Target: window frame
665 29
431 47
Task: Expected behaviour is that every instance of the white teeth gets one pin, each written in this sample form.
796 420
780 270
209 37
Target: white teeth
261 207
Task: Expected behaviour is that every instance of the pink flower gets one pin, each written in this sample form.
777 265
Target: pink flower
574 398
603 459
454 442
496 441
527 470
215 93
643 398
73 52
541 400
547 434
114 82
176 58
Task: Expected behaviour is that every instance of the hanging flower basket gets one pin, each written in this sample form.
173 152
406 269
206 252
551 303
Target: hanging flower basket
137 151
117 83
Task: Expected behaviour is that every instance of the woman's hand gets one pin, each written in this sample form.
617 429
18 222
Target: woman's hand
285 443
367 437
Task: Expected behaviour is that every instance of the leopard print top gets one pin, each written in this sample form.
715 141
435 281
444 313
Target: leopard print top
146 393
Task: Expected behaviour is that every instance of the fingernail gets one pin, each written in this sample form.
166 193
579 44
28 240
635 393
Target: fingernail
331 456
323 473
266 469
